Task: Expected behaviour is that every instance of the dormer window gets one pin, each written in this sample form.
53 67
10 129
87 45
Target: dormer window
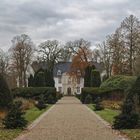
59 72
78 80
78 72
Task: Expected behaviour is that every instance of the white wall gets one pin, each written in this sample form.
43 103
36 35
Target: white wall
68 82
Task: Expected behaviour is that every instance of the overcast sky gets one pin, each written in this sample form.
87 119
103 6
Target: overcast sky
62 19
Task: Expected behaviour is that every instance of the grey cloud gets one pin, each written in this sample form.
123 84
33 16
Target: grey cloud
62 19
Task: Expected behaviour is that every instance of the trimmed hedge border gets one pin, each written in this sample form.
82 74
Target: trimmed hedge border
34 92
104 93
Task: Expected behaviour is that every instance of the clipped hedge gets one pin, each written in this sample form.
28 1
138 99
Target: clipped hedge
35 92
119 82
105 93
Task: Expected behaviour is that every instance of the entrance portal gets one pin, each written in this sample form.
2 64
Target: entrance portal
69 91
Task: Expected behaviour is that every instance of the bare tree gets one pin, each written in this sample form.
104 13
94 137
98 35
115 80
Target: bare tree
81 46
106 57
50 51
22 52
4 62
118 51
131 32
96 56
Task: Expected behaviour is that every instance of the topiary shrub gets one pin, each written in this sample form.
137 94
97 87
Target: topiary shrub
127 119
41 103
51 99
59 95
49 81
14 118
87 77
31 81
95 78
130 115
98 104
39 79
121 82
5 94
88 99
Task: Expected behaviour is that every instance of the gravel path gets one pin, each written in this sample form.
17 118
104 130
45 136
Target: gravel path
70 120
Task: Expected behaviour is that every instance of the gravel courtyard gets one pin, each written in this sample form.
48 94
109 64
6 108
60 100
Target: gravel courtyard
70 120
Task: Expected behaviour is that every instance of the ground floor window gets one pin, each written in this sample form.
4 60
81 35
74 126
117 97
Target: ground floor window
78 89
60 89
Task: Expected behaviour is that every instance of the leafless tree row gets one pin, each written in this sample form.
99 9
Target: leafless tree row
121 50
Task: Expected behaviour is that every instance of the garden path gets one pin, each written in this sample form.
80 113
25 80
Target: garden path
70 120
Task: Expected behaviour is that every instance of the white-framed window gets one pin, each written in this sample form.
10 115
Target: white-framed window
78 72
59 72
69 81
78 89
59 79
78 80
60 89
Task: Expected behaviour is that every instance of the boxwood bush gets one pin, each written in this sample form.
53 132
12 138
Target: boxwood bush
105 93
121 82
5 94
35 92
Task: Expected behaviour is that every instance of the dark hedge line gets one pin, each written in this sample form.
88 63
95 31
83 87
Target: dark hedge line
35 92
5 94
104 93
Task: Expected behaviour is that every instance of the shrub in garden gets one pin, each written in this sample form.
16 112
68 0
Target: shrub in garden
104 93
130 115
95 78
14 118
127 119
87 77
34 92
121 82
26 103
39 79
104 78
98 104
59 95
49 81
115 105
41 103
31 81
51 99
5 94
88 99
78 96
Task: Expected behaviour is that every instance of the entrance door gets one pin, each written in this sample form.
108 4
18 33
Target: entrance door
69 91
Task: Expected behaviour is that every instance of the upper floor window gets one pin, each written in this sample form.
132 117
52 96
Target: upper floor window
69 81
78 72
78 80
78 89
59 72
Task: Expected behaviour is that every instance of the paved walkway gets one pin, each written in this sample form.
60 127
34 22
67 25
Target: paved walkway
70 120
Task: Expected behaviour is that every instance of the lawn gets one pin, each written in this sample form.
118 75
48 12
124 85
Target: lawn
109 114
34 113
30 116
106 114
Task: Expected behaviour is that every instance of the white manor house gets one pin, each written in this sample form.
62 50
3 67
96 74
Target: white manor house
64 82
